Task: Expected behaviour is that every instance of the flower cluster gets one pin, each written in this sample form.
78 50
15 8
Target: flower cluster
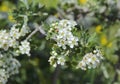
15 32
24 48
54 60
8 66
90 60
61 32
3 76
10 39
7 39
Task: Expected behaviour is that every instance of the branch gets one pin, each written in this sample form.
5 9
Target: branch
40 29
56 74
31 34
37 28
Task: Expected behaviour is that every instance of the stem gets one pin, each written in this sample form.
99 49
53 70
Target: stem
37 28
56 74
31 34
40 29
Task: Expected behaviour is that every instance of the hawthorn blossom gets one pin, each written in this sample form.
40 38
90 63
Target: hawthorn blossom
24 48
9 66
14 32
52 61
56 59
61 61
62 33
90 60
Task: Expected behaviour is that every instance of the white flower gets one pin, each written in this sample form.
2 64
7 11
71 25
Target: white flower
9 67
61 61
4 39
52 61
13 43
9 38
62 43
90 60
57 59
98 53
3 77
73 41
25 48
14 32
54 53
81 65
63 33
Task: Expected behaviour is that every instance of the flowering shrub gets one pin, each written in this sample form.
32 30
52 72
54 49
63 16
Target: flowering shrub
91 60
63 34
10 39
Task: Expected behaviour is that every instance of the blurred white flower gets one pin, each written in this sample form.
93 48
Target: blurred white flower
81 65
61 61
52 61
14 32
90 60
56 59
62 33
3 77
4 39
9 66
25 48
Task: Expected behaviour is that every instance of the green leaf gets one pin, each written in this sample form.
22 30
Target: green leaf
92 39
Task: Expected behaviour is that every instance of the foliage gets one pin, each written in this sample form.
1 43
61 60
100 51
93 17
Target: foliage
60 41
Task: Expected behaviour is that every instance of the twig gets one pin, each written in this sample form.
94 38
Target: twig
31 34
40 29
37 28
56 74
